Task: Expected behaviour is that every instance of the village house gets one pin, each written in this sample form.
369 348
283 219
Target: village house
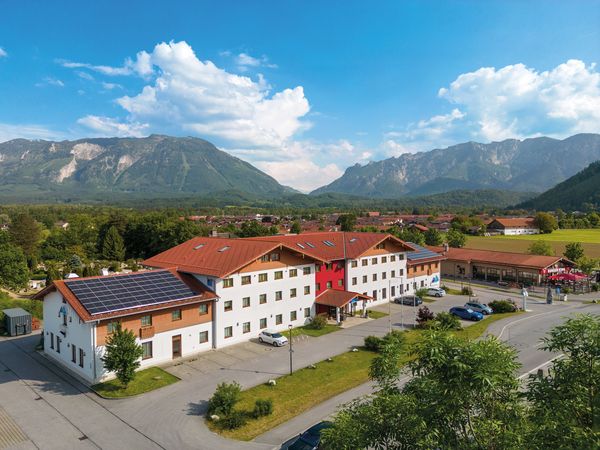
513 226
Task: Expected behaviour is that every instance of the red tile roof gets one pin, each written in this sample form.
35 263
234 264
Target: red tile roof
468 255
216 257
515 222
333 297
203 294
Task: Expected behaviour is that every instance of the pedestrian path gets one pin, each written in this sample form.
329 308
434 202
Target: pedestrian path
10 433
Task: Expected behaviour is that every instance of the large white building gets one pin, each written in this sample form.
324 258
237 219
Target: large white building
513 226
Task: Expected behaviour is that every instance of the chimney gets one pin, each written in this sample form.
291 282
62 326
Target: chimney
214 233
445 247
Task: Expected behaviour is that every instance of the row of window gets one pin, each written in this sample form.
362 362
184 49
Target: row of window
415 268
365 278
264 277
329 284
146 320
263 323
329 266
262 298
74 352
147 346
375 260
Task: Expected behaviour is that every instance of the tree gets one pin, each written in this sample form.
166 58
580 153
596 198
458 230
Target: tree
565 409
14 273
224 399
296 228
456 239
113 247
424 315
574 251
587 265
122 354
253 228
25 232
433 237
446 321
545 222
51 274
408 235
347 222
540 248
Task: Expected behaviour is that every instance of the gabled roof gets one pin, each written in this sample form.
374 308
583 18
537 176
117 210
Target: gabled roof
469 255
334 297
197 293
217 257
515 222
334 245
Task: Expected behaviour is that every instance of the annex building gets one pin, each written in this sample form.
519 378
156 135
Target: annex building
513 226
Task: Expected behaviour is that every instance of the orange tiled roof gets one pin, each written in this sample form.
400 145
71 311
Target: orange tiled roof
516 222
333 297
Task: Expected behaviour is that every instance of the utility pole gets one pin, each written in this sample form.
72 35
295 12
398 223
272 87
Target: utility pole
291 350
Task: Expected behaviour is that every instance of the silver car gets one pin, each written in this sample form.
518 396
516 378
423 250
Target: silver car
479 307
436 292
274 338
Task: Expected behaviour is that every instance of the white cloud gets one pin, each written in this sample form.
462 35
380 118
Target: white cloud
111 86
3 53
50 81
301 174
27 131
139 66
107 126
244 61
84 75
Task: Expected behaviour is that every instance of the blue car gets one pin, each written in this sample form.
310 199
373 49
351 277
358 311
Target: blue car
309 440
466 313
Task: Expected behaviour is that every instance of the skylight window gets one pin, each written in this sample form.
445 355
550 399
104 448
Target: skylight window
353 240
223 249
300 245
199 246
310 245
329 243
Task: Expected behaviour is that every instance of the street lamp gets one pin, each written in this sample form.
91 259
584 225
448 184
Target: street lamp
291 350
390 303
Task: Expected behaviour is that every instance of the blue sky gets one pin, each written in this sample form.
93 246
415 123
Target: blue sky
301 89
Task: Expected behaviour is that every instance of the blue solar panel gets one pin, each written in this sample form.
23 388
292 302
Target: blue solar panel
421 253
109 294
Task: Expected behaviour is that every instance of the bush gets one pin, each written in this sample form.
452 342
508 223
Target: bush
319 322
235 419
446 321
395 337
421 292
262 408
224 399
466 290
502 306
424 315
372 343
595 287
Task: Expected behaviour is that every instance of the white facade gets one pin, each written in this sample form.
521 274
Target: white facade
518 231
423 281
244 322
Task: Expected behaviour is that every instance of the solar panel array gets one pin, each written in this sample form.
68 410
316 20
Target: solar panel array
420 253
109 294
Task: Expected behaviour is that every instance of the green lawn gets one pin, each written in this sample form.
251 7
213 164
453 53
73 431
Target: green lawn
376 314
590 238
308 331
145 380
305 388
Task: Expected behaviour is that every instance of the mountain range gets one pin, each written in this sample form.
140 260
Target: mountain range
530 165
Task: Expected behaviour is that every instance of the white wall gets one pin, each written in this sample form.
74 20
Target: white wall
517 231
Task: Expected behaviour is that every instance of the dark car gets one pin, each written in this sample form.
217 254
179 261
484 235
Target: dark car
309 440
466 313
410 300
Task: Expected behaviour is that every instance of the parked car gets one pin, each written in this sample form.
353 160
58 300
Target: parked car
272 337
436 292
309 440
466 313
479 307
411 300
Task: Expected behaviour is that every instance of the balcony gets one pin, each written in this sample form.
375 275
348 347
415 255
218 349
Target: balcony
146 332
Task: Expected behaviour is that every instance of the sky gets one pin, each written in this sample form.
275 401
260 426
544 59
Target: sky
301 89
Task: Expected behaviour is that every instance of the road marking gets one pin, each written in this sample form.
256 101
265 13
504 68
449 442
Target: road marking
541 365
510 324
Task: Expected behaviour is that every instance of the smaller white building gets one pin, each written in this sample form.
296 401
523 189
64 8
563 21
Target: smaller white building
513 226
423 269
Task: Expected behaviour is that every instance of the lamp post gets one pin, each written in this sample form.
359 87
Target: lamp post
390 303
525 295
291 350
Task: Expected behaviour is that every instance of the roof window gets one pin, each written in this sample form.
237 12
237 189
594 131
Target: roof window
199 246
224 249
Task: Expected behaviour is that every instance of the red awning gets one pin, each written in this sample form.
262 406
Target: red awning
567 277
334 297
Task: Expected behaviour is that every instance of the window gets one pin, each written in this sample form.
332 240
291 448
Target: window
383 275
293 273
329 285
365 262
264 258
318 287
354 264
279 275
364 278
228 282
293 293
328 266
278 319
263 323
147 348
393 258
228 332
306 312
340 283
176 314
73 354
57 344
275 257
401 272
278 295
384 293
262 298
374 295
65 319
81 356
374 261
306 271
393 274
393 291
111 327
354 281
422 283
262 277
52 341
306 290
203 309
380 246
228 305
246 327
401 257
246 279
318 268
293 316
245 302
374 277
203 337
146 320
383 259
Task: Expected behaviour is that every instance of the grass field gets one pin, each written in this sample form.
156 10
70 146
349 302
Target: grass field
590 238
145 381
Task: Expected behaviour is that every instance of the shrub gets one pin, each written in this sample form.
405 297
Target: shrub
502 306
235 419
224 399
395 337
262 408
595 287
319 322
372 343
566 290
421 292
446 321
466 290
424 315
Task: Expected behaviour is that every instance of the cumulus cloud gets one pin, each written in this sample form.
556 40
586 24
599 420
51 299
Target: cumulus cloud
3 53
139 66
107 126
